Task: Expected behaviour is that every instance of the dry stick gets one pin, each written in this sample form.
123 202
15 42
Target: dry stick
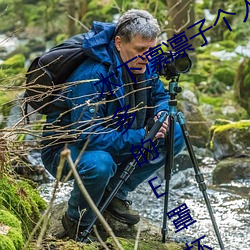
137 236
66 153
77 21
46 215
99 238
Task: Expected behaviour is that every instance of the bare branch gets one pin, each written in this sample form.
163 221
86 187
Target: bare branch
66 154
79 22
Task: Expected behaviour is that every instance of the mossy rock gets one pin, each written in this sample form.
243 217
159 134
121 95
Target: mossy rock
225 75
10 231
231 139
22 200
231 169
221 107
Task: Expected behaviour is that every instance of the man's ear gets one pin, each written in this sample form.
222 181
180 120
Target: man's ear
118 43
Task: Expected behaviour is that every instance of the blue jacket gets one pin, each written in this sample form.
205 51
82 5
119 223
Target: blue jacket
80 98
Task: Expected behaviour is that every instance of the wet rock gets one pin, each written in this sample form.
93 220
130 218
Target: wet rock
232 139
231 169
182 179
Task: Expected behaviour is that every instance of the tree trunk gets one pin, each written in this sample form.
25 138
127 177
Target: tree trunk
181 16
72 13
83 7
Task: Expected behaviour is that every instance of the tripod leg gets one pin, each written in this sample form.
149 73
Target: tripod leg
168 173
199 176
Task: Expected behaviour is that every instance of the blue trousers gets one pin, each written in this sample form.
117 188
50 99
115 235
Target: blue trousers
100 170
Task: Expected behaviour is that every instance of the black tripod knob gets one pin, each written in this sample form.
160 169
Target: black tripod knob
177 89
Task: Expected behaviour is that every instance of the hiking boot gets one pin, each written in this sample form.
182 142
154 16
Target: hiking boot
120 210
75 231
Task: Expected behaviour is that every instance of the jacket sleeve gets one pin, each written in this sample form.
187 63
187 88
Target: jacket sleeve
88 116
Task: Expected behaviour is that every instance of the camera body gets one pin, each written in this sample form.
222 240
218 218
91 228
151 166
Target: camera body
174 64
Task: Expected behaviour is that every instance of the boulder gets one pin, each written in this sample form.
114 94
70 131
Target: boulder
150 234
232 139
231 169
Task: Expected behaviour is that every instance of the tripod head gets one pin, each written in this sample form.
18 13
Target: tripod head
174 89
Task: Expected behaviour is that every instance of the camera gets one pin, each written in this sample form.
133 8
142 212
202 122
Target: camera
174 64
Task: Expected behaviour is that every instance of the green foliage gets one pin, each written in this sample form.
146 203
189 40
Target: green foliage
16 61
12 67
224 75
214 101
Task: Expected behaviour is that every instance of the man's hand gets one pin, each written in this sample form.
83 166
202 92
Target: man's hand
164 128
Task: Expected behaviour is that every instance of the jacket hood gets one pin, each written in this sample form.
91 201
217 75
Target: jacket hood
98 43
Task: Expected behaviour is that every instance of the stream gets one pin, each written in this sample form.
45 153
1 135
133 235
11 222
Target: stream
230 203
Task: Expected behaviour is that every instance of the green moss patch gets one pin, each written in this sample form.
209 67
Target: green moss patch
10 231
144 244
22 200
230 139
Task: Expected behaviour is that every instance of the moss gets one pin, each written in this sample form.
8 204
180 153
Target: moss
22 200
16 237
16 61
6 243
222 132
220 103
128 244
13 71
214 101
10 220
229 45
235 125
13 239
225 75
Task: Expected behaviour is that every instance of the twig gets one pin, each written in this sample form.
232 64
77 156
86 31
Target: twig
66 154
137 236
77 21
99 238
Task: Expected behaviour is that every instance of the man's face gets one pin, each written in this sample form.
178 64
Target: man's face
137 46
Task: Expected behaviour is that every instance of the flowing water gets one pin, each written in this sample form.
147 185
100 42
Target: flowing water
230 203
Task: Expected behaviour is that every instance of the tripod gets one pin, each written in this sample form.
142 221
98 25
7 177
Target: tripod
126 173
173 90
